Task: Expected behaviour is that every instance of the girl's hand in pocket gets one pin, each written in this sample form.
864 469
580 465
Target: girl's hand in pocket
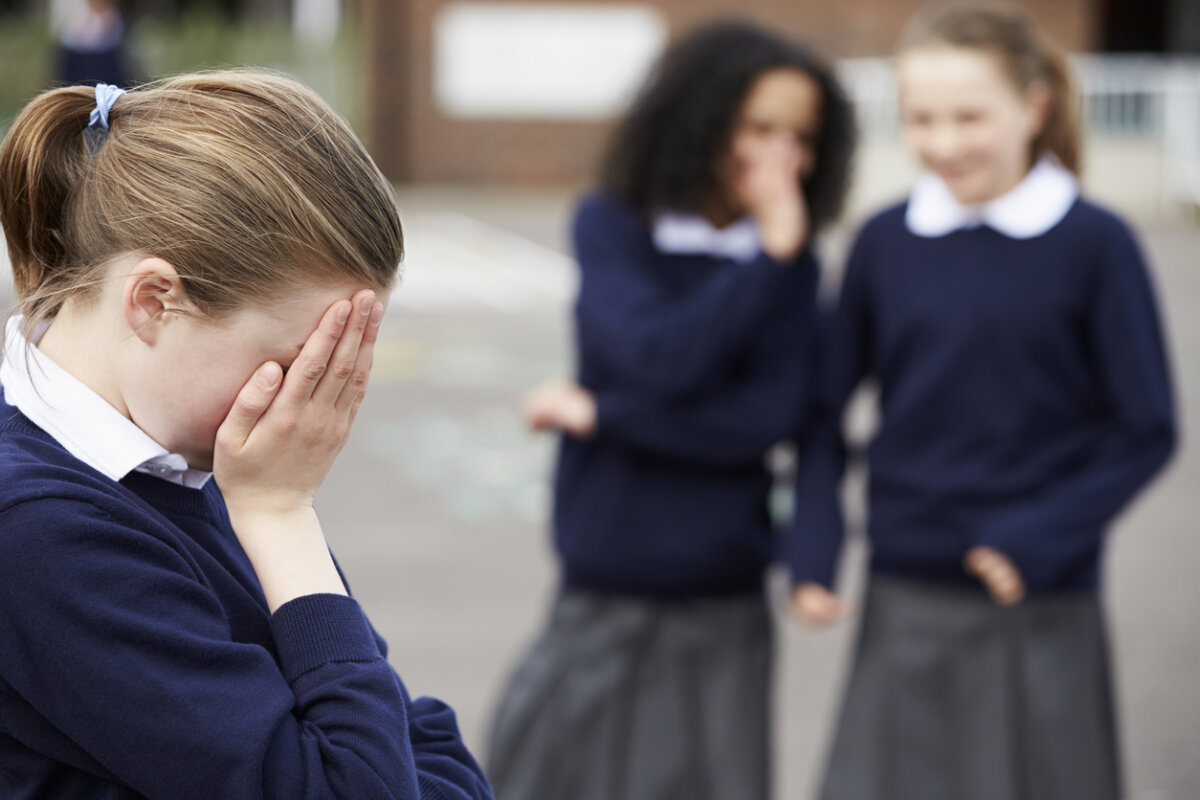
997 572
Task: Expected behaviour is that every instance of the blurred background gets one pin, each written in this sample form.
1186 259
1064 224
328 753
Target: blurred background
489 117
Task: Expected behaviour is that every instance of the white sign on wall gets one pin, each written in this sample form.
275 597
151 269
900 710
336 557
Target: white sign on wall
542 61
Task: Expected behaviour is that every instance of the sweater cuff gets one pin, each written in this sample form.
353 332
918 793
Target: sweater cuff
808 572
320 628
812 558
430 790
802 260
1041 559
609 408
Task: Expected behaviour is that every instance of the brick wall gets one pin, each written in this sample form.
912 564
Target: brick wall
413 141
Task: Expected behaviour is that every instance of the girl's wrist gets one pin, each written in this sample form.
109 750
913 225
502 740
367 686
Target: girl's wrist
289 554
268 520
782 232
260 507
782 244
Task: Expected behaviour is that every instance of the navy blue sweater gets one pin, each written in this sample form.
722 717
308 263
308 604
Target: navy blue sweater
138 657
1024 398
699 365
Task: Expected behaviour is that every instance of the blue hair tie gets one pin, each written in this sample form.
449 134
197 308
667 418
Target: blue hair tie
106 95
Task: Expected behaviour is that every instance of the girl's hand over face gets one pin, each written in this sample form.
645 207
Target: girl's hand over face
283 432
561 405
999 574
768 186
278 442
815 606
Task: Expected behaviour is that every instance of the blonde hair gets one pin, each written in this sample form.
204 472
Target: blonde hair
246 182
1025 54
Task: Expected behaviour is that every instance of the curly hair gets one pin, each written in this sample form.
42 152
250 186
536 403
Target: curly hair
664 153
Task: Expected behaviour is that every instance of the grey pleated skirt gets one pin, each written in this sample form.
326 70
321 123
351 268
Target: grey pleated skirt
954 698
631 699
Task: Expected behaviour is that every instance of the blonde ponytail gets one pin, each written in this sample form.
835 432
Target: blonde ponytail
1060 134
43 160
246 182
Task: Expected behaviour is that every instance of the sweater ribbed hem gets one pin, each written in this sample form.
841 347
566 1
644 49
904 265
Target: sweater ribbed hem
320 628
430 790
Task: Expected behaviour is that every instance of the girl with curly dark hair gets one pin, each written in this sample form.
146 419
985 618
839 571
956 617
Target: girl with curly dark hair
695 328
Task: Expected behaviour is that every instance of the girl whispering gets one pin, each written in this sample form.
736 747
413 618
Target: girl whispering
1024 400
202 266
694 327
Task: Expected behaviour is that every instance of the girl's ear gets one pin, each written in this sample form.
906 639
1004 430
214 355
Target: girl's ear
1039 101
152 289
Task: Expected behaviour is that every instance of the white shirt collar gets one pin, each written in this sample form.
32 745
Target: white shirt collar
81 420
677 233
1033 207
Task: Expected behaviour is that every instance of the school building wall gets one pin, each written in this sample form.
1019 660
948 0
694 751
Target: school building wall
415 137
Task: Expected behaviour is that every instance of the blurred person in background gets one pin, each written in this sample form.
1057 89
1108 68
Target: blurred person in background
1012 329
91 45
695 327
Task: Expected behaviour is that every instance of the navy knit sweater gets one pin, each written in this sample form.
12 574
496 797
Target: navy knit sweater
1024 398
699 364
138 657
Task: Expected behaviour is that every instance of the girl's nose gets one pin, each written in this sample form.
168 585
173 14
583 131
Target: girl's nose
785 142
945 142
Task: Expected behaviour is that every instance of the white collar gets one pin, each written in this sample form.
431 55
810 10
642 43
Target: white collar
1034 206
677 233
81 420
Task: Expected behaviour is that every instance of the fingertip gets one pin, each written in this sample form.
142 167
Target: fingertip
268 376
365 301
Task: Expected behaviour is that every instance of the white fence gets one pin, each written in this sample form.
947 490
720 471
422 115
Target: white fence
1150 98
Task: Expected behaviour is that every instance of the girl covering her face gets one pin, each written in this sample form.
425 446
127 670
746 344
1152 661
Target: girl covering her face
1024 400
694 326
200 265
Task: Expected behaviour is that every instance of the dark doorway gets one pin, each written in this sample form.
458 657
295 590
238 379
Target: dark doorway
1149 26
1133 26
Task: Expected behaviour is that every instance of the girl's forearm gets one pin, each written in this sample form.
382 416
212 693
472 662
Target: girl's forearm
289 554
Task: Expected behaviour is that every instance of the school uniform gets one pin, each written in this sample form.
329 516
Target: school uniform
139 657
1024 400
650 681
